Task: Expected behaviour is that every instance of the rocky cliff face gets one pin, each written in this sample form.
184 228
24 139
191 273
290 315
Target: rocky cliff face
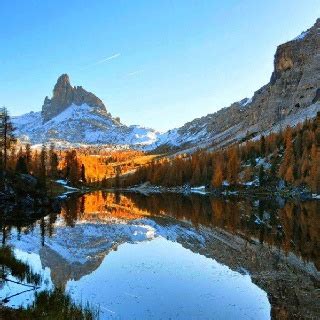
76 116
64 95
292 94
296 78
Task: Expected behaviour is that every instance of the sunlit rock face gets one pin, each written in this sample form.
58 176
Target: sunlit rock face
291 96
296 77
64 95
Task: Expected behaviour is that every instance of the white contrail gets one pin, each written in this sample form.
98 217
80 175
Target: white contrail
114 56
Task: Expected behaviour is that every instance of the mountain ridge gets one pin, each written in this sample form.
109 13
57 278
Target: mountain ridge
292 94
76 116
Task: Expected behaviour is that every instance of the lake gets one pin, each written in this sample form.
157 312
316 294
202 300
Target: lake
174 256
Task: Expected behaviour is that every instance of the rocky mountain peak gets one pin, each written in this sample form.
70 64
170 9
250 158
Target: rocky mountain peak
63 83
291 96
64 95
297 53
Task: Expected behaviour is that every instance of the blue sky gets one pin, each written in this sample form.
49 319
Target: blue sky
156 63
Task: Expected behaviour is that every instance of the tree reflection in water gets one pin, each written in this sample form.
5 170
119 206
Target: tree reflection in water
270 229
292 226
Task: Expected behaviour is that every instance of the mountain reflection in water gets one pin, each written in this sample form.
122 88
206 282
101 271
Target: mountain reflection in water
274 243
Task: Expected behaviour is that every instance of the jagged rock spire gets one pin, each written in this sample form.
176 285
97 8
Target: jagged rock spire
65 95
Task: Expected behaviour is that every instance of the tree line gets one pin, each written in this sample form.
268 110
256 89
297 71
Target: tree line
44 163
291 155
89 165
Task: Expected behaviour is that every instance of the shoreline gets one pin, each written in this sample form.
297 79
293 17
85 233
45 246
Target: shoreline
254 192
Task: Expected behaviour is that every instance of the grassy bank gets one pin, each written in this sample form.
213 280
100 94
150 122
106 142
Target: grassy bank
53 305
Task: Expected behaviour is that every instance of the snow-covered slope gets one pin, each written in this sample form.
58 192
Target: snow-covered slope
74 116
207 133
81 125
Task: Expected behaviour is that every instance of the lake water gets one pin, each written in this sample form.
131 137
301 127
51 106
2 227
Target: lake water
171 256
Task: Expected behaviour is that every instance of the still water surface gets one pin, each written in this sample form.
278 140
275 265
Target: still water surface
175 257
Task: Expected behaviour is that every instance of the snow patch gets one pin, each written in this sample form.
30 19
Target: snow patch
245 102
199 190
301 36
81 125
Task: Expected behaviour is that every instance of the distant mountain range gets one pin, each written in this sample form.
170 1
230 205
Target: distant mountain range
76 116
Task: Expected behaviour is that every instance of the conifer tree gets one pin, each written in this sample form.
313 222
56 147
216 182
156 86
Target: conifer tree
83 173
204 175
196 177
315 168
21 166
72 167
35 163
54 162
233 165
11 164
42 178
28 154
261 175
117 178
286 168
289 175
7 138
262 146
217 178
